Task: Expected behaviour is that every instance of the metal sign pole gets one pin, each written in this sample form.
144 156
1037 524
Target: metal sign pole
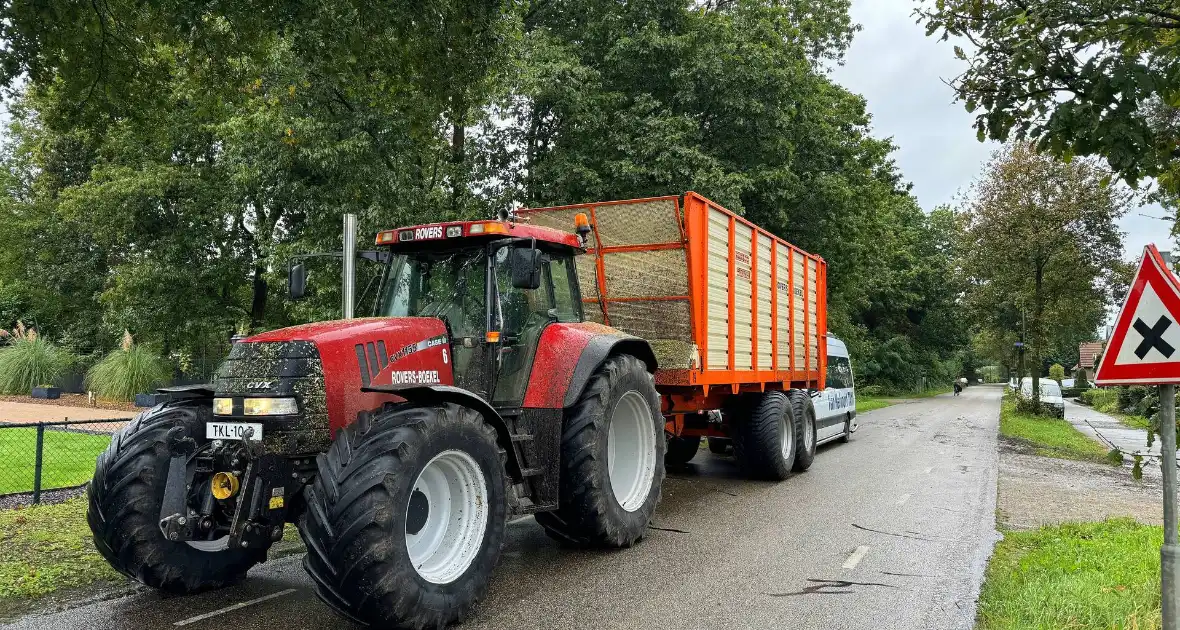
1170 552
349 284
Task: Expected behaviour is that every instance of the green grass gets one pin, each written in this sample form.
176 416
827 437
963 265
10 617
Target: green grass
47 548
1051 437
67 459
869 403
1135 422
1081 576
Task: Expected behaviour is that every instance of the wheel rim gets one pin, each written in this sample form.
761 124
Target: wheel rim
786 435
446 517
631 451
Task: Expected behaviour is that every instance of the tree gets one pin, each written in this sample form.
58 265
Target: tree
1057 372
1089 77
1042 241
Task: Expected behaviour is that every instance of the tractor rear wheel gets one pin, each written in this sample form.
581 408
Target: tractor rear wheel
124 501
681 450
406 517
764 436
612 459
805 416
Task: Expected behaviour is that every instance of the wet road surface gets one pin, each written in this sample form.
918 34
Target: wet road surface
889 531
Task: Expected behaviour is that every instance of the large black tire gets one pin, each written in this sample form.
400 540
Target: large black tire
681 450
588 513
355 525
124 507
847 437
761 424
720 446
805 416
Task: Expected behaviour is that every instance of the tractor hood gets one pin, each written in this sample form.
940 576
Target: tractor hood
348 355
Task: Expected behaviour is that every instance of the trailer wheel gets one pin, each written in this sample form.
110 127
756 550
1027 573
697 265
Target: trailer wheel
405 519
681 450
612 459
720 446
805 416
764 436
124 501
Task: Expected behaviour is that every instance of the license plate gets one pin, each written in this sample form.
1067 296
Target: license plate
232 430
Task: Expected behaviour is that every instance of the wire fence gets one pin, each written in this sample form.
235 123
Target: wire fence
42 456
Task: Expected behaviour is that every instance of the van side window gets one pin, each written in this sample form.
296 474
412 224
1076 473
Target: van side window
839 373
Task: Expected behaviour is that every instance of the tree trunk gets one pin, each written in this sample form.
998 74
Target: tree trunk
258 301
1038 337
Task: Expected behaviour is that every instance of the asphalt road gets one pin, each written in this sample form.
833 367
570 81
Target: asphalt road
890 531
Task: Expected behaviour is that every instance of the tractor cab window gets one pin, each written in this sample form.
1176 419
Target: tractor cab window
450 285
567 299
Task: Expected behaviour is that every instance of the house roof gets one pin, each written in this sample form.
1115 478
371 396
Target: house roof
1088 351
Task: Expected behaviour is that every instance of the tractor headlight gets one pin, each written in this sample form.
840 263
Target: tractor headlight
223 406
269 406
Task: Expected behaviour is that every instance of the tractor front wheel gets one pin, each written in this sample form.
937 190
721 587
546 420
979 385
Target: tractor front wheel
125 498
406 516
612 459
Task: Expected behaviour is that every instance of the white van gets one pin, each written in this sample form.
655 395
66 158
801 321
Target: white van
835 406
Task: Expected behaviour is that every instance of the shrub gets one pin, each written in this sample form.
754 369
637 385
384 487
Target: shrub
871 391
1057 372
1073 392
1080 379
132 369
29 361
1104 400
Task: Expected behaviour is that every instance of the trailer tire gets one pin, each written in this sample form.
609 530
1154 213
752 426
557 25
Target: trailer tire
765 433
681 450
805 417
720 446
619 400
124 500
377 487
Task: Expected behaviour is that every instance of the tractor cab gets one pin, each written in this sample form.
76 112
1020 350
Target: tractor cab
495 285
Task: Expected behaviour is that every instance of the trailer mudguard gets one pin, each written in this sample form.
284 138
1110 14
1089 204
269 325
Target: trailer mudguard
569 354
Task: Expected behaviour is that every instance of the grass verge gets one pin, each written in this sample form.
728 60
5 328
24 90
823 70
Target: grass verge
67 458
1051 437
869 403
1082 576
47 548
47 552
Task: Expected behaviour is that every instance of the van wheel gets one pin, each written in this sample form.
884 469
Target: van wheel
847 437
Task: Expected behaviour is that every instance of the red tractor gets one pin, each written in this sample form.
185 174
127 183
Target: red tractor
401 443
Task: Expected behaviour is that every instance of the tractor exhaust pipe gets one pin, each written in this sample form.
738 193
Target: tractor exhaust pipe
348 294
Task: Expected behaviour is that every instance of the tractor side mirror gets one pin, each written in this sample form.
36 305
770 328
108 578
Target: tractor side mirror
296 281
526 267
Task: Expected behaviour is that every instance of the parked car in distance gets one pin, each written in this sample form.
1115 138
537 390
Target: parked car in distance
1050 393
835 406
1067 383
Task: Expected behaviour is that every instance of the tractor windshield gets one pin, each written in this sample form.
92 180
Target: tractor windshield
448 284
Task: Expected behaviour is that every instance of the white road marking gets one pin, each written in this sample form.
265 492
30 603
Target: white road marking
902 499
856 557
238 606
929 469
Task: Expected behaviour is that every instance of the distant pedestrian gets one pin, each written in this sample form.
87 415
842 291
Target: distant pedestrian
958 388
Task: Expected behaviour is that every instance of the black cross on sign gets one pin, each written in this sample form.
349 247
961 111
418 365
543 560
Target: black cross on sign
1153 337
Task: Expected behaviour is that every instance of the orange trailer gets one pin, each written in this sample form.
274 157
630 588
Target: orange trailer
729 308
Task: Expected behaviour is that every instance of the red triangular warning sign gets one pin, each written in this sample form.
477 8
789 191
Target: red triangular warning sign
1145 346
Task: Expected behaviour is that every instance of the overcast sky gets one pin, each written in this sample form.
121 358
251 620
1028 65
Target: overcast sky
901 73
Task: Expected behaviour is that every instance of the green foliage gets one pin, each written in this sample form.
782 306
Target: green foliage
1051 437
1080 378
1105 400
1076 575
127 371
29 361
1057 372
1042 252
1028 77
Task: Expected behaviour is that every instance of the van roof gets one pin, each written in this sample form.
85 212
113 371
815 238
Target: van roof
836 347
